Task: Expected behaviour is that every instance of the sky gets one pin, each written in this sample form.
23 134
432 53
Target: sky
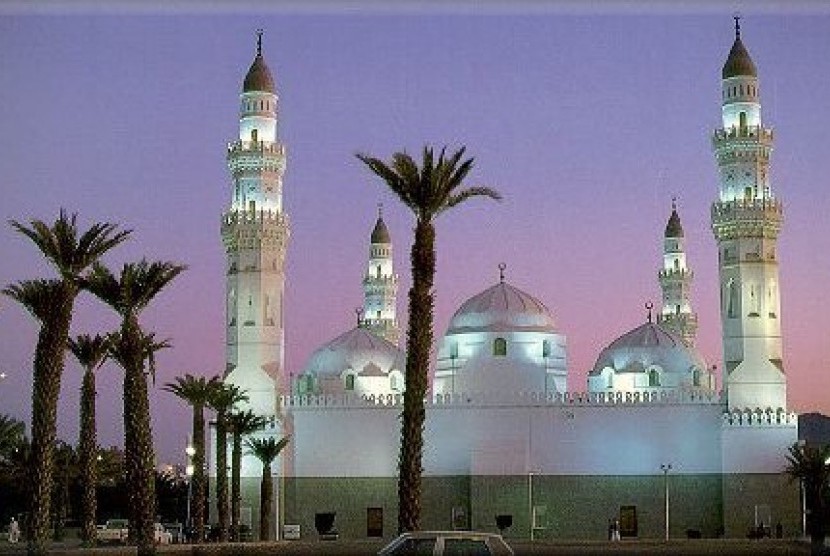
588 121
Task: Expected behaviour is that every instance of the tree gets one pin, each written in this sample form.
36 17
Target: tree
66 475
427 191
12 437
240 424
196 391
810 464
266 450
51 302
134 350
91 352
222 400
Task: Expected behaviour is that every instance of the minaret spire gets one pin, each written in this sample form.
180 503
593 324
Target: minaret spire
746 221
737 18
255 233
380 284
675 279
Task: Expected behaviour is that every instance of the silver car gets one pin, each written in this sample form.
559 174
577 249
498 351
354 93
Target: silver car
446 543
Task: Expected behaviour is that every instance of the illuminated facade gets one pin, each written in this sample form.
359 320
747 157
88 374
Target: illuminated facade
503 433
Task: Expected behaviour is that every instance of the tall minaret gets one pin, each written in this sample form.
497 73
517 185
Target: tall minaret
676 282
255 232
746 221
380 285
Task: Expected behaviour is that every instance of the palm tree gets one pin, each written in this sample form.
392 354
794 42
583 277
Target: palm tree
810 464
66 475
428 191
266 450
133 349
91 352
240 424
222 401
196 391
51 302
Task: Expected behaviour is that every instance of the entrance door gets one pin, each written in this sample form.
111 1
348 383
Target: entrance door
374 522
628 521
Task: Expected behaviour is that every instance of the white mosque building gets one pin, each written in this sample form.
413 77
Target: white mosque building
505 436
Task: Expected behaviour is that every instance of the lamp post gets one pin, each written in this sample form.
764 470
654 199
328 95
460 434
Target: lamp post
666 467
190 451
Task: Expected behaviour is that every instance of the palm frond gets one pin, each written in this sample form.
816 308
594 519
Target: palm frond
39 297
225 396
246 422
266 450
90 351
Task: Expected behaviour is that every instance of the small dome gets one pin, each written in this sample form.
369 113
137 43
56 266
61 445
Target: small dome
673 227
738 62
258 77
359 350
502 308
381 234
647 346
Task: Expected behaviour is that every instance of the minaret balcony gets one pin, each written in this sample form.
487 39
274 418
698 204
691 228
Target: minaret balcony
676 274
747 218
749 134
265 147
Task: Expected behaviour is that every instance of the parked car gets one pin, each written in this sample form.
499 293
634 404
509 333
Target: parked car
439 543
113 531
162 535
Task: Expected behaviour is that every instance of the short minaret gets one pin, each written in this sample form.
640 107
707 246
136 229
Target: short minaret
380 285
676 282
746 220
255 233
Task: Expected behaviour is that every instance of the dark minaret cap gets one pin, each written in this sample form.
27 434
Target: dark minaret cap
739 61
381 234
259 76
673 227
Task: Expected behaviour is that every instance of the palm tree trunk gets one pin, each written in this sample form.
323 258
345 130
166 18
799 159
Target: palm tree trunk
198 501
87 449
418 346
138 444
48 367
236 465
265 492
222 473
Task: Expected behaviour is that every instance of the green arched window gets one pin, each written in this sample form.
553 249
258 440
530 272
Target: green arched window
500 347
653 378
349 382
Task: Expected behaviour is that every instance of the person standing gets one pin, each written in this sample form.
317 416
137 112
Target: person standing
14 531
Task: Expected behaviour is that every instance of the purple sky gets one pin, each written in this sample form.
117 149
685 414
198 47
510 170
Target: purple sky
587 122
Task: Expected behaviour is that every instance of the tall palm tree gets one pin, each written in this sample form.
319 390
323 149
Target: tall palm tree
266 450
133 349
51 302
240 424
222 401
91 352
427 191
196 391
810 464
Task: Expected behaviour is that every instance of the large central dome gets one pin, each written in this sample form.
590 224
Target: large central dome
502 308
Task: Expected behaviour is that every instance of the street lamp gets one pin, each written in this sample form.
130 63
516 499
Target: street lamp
190 451
666 467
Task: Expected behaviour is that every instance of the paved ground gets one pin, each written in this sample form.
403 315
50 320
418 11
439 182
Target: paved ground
361 548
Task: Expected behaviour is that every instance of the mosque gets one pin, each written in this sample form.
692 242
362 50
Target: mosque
649 441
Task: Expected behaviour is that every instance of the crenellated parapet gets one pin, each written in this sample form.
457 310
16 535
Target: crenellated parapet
745 218
759 418
251 157
263 229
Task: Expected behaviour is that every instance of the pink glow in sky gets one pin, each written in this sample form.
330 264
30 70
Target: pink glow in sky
587 122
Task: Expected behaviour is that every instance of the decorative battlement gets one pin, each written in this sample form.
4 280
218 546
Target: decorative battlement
256 147
255 156
259 217
510 400
747 218
759 418
750 134
254 229
676 274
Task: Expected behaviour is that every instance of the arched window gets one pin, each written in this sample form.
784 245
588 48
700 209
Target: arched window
500 347
306 385
545 348
696 377
742 120
349 382
254 135
393 382
653 378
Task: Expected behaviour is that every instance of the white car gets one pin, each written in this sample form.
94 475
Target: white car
445 543
162 535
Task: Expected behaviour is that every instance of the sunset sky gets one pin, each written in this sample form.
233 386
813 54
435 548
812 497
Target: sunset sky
587 121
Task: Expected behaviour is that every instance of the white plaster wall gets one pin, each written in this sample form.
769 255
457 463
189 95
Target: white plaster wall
757 448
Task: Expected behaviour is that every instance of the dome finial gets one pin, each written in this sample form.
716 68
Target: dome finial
737 18
502 266
259 42
649 307
380 211
358 311
674 202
